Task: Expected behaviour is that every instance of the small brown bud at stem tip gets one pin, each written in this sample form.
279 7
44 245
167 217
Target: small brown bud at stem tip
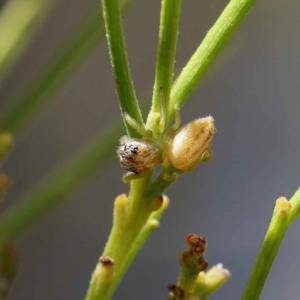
106 261
197 243
5 181
283 206
202 263
176 290
156 203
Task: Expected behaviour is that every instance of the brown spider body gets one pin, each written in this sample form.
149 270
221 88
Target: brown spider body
139 155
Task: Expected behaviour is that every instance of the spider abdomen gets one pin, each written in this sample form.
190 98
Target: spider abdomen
187 145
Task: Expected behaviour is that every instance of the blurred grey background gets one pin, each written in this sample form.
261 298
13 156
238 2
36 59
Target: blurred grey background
253 93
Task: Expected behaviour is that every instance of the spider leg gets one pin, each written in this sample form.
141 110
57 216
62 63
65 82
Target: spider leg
162 108
127 177
176 125
139 128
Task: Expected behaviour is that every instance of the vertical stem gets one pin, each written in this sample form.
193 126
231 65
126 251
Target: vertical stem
18 19
119 62
168 32
128 223
218 35
269 249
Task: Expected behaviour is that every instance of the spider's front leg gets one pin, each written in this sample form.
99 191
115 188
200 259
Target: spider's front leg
135 125
127 177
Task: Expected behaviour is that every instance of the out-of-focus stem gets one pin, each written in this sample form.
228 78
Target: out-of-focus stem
18 21
59 69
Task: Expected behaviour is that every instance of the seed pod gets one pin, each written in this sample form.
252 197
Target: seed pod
187 145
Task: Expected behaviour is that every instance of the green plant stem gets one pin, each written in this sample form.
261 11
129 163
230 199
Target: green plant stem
18 21
101 287
206 53
284 213
68 58
168 31
152 223
55 188
157 187
120 65
127 226
128 234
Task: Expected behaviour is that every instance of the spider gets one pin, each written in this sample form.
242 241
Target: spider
181 148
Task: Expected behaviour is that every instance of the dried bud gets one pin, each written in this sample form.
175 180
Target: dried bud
196 243
202 263
177 291
156 203
189 143
106 261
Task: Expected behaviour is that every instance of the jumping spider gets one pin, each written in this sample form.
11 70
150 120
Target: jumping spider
183 147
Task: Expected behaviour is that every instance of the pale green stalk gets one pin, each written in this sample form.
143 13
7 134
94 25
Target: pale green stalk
18 21
133 223
284 214
120 65
152 223
217 36
127 226
168 31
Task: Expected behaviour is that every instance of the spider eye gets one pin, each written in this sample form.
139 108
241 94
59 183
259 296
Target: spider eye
187 145
134 150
